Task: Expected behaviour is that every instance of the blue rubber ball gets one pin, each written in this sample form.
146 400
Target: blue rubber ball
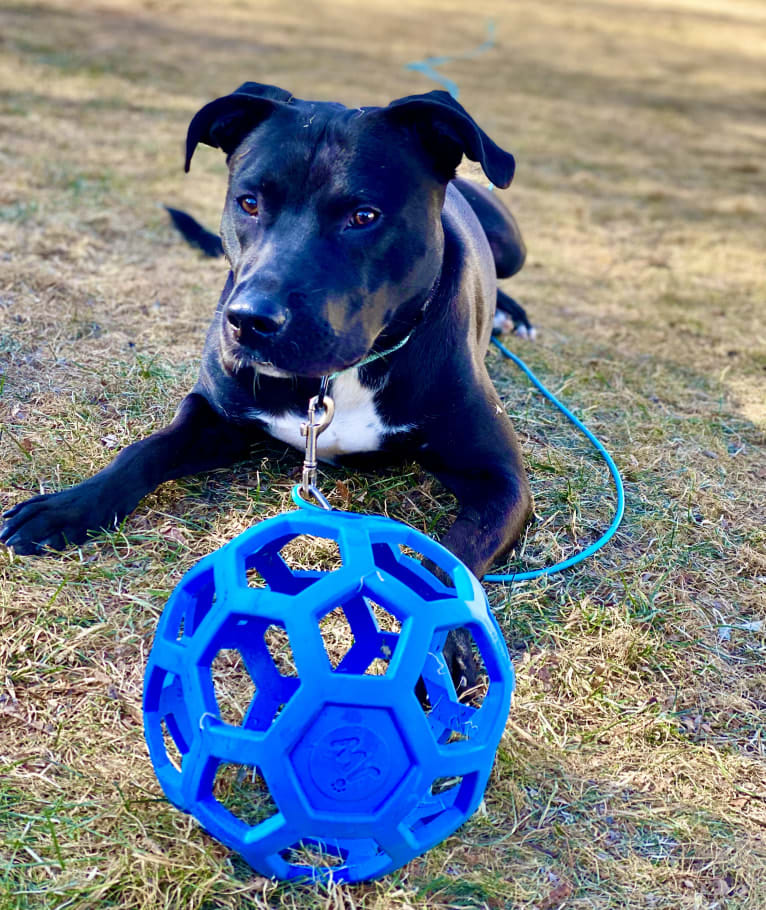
307 719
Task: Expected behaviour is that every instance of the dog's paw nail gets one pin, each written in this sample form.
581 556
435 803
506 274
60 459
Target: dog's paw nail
501 323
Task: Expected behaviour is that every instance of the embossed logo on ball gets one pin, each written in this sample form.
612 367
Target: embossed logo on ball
357 760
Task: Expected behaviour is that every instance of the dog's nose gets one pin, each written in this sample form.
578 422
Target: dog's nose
255 318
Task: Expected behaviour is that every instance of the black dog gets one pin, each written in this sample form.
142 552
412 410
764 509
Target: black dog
346 233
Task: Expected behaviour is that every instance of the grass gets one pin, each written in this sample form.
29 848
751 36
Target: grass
632 773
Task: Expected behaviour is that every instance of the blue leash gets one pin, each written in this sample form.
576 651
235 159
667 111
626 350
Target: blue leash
427 67
619 511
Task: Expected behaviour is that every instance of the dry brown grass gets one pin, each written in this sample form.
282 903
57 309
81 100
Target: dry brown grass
633 771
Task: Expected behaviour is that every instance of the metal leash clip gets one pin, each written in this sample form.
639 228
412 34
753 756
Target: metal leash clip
311 430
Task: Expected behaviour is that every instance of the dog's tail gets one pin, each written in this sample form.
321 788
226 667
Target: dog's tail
195 234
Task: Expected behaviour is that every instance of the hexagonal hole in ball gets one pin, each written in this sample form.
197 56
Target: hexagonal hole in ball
337 635
175 723
360 636
173 744
242 790
444 794
475 695
277 642
451 715
233 686
199 596
314 854
307 553
405 565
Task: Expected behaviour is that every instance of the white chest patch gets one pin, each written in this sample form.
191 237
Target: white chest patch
356 426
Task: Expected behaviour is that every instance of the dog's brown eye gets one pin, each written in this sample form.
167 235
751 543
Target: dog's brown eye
364 217
249 205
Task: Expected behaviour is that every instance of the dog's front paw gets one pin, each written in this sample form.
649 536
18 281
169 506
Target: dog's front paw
458 653
503 324
53 521
525 331
510 316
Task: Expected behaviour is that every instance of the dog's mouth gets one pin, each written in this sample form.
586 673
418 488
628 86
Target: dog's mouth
235 358
266 368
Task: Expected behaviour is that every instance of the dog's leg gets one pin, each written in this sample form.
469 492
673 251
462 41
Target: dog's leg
503 234
510 316
474 452
197 439
477 456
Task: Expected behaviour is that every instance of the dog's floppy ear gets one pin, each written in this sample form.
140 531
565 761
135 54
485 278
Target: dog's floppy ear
225 122
448 132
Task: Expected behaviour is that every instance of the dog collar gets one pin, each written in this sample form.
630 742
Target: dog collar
375 355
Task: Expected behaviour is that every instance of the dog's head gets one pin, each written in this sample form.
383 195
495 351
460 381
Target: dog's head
332 222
